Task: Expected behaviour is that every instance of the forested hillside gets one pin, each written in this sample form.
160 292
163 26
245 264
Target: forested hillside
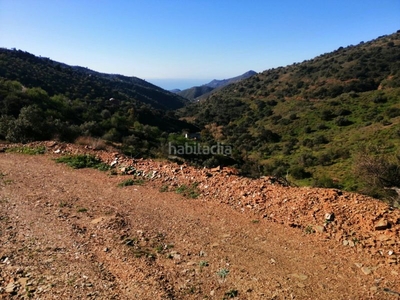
42 99
82 83
200 92
319 122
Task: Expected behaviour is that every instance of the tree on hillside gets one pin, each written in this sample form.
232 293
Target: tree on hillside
380 174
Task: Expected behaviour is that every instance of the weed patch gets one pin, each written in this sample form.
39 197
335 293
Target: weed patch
83 161
190 191
27 150
130 182
231 294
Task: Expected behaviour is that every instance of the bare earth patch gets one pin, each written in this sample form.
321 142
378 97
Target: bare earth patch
79 234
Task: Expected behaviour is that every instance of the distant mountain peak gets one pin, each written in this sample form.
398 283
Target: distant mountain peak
205 89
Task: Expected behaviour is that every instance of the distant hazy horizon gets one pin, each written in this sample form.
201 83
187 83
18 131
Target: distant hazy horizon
182 84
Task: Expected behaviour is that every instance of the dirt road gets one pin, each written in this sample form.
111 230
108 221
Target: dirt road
75 234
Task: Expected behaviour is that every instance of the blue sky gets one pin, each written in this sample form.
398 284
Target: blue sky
181 43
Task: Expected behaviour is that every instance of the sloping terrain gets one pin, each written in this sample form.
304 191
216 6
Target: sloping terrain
195 92
311 120
82 83
80 234
200 92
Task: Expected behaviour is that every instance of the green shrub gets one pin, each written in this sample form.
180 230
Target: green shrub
28 150
298 172
325 182
83 161
190 191
130 182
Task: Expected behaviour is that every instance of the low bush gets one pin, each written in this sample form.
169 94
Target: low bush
83 161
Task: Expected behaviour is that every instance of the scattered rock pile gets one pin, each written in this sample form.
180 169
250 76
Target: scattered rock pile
353 220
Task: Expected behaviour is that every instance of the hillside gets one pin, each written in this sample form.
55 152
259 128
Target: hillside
197 92
41 99
135 232
311 122
78 82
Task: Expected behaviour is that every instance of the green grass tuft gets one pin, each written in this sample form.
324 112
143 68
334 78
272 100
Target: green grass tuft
83 161
190 191
130 182
27 150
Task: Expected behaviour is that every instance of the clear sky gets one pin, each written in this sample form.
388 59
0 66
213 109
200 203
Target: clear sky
182 43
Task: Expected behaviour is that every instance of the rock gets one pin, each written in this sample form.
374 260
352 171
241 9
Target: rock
23 281
392 260
366 270
299 276
329 217
97 220
345 242
358 265
319 228
11 288
382 224
382 237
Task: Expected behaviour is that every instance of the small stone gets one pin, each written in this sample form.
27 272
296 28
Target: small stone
345 242
319 228
299 276
390 252
382 224
382 237
392 260
358 265
301 285
11 288
105 249
366 270
329 217
97 220
351 244
22 281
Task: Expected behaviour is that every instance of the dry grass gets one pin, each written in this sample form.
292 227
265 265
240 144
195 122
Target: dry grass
93 143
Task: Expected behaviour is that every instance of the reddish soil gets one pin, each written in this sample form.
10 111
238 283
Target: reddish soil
76 234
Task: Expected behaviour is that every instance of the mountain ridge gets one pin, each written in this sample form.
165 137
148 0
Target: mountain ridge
312 122
198 92
55 77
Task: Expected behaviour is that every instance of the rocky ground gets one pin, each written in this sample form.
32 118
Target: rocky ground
185 233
